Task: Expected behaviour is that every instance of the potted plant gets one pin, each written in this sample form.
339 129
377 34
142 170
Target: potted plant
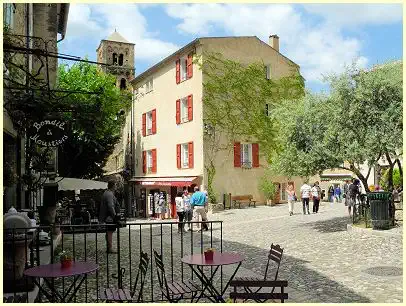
65 259
268 188
208 254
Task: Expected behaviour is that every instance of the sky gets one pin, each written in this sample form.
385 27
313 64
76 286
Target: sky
321 38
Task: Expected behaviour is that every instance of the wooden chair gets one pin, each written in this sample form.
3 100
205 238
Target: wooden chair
259 296
124 295
275 255
175 291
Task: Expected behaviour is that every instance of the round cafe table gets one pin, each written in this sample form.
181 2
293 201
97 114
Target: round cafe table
78 270
197 262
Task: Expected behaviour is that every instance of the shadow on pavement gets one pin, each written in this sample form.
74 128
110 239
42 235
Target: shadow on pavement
308 285
337 224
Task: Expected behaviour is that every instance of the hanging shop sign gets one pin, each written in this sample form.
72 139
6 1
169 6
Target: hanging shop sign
48 133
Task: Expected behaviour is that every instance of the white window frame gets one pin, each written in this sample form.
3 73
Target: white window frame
184 116
183 69
246 155
184 156
149 161
149 123
149 86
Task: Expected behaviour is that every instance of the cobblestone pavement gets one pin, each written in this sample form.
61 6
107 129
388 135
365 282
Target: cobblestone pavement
322 261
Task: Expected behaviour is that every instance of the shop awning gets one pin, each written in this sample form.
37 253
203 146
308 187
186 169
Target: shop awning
69 183
166 181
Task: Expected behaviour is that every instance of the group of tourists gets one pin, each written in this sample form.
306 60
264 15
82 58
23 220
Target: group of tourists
189 207
350 195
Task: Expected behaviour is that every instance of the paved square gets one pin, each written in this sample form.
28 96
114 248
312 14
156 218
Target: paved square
322 261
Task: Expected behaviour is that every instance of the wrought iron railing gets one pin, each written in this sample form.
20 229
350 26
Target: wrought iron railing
88 243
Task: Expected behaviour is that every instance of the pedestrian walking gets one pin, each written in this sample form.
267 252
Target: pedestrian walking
330 193
345 190
351 197
337 194
108 215
180 210
305 196
199 201
161 209
316 195
188 209
291 198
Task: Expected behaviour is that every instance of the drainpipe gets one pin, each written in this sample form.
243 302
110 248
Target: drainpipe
64 11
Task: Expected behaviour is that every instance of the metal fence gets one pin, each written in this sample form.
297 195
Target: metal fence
88 243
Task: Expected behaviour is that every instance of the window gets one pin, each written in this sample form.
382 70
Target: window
120 60
149 161
123 84
114 58
283 198
267 110
183 69
246 155
185 155
8 17
149 123
149 86
268 72
184 110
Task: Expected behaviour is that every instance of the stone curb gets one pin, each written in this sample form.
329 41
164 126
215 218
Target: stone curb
351 228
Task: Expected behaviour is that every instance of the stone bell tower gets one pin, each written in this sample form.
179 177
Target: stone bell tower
119 53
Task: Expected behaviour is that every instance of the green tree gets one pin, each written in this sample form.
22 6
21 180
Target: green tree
359 122
237 99
96 126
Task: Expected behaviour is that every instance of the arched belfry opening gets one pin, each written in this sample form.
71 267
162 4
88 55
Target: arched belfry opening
114 58
123 84
121 60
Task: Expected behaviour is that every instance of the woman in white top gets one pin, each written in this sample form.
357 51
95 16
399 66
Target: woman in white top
180 209
291 198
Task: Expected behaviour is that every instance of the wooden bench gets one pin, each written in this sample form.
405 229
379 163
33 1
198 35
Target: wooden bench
258 297
242 199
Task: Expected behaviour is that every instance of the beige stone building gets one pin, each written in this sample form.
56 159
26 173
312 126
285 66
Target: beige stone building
170 150
46 22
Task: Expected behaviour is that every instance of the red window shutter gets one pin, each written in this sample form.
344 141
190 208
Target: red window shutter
153 160
154 121
190 65
190 145
178 156
255 155
178 111
144 125
177 71
144 161
190 107
237 154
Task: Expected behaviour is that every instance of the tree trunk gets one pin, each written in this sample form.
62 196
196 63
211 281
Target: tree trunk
400 168
390 172
361 177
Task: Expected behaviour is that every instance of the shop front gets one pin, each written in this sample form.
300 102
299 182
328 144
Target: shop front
152 191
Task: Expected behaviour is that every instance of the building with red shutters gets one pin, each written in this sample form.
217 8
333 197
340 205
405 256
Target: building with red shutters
168 123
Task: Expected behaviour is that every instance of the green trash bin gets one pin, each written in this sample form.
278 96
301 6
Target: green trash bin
380 203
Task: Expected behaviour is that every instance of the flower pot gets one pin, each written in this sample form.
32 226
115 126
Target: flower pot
208 255
66 263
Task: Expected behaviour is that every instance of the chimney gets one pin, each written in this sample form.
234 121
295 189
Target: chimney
274 42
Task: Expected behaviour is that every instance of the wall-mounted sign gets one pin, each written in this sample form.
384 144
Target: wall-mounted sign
48 133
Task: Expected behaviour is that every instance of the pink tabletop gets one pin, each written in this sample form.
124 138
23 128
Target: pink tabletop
56 270
219 259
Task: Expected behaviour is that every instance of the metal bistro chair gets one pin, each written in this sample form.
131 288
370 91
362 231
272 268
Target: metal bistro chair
174 291
125 295
275 255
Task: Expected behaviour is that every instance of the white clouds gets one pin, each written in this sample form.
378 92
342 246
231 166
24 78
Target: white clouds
349 15
99 21
318 47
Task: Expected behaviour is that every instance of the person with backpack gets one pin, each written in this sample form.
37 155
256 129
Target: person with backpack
188 209
305 196
316 194
353 193
180 210
199 201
